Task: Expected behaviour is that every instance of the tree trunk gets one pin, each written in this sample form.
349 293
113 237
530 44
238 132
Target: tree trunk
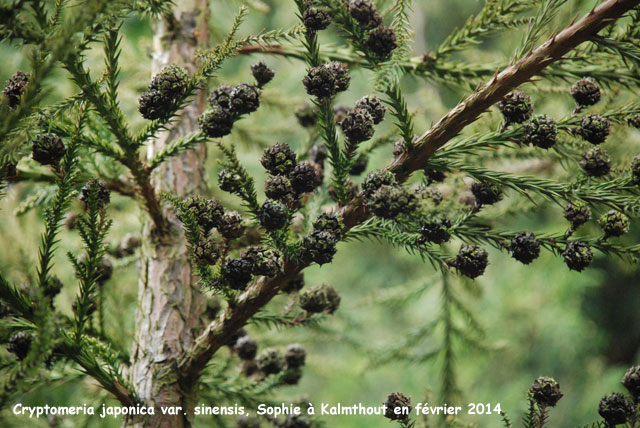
170 305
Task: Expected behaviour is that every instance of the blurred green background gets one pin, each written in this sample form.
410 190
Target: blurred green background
540 319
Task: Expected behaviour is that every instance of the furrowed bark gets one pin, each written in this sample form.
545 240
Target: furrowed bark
170 304
355 212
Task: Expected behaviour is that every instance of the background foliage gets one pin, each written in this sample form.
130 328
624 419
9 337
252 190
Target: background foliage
535 320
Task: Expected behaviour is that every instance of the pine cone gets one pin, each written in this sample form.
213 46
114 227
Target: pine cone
246 348
273 215
230 225
516 107
48 149
262 73
635 169
525 247
221 96
316 18
279 159
376 179
307 116
541 132
471 261
230 182
245 98
359 165
595 128
631 381
614 224
586 92
305 177
397 402
577 214
236 273
635 121
326 80
294 284
292 376
391 201
486 193
382 41
322 298
154 105
216 122
207 212
615 409
295 356
318 247
20 344
270 362
374 106
358 126
433 175
172 82
577 255
278 187
15 87
265 262
329 222
545 391
340 112
206 252
365 13
103 194
596 162
435 232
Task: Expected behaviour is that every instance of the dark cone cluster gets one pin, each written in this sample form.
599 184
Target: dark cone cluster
295 356
525 247
374 106
541 131
382 41
263 261
436 232
397 407
635 170
216 122
322 298
364 12
295 284
586 92
270 362
230 182
318 247
596 162
434 176
273 215
615 409
329 222
595 128
207 212
305 177
391 201
635 121
206 252
631 381
230 225
262 73
15 87
99 186
577 214
236 273
316 18
340 112
516 107
246 348
48 149
359 164
326 80
307 116
166 90
244 99
358 126
278 187
221 96
279 159
376 179
19 344
545 391
471 261
577 255
486 193
614 223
